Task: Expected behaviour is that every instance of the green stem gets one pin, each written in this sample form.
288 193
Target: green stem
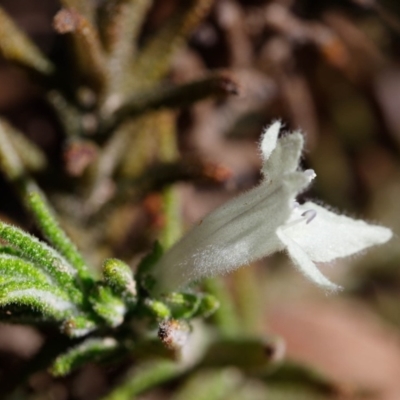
246 288
225 317
36 204
146 378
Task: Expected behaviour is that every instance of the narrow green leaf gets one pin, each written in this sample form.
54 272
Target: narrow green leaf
108 306
91 350
190 305
209 304
225 317
182 305
13 268
32 301
31 248
158 309
11 251
80 325
210 385
49 226
44 256
255 390
172 228
144 378
226 352
119 277
149 260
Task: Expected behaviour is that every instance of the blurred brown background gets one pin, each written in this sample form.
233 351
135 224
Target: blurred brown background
329 68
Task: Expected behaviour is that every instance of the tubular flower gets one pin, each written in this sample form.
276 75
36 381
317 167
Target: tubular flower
265 220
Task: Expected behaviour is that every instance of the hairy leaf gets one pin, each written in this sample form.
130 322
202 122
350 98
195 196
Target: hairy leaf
93 349
118 276
44 256
13 268
108 306
35 301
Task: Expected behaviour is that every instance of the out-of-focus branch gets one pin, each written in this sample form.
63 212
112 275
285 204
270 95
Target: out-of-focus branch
154 60
90 54
231 19
217 85
32 157
84 7
17 47
123 21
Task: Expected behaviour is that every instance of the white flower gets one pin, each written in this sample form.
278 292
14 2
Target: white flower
265 220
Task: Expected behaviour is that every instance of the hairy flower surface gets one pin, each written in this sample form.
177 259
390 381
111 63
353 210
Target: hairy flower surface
265 220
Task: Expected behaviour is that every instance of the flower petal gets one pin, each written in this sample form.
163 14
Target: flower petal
269 139
286 156
304 263
235 234
329 235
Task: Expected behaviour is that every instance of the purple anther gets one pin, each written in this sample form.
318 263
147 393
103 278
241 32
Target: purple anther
309 215
295 204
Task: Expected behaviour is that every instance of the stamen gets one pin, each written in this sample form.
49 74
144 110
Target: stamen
295 204
309 215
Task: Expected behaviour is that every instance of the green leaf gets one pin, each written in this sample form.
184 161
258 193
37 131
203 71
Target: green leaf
11 251
44 257
209 304
144 378
93 349
119 278
157 309
48 224
108 306
210 385
13 268
225 317
190 305
182 305
147 263
80 325
229 352
33 301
